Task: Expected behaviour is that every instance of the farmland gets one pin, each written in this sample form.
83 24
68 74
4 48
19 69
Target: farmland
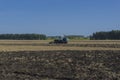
77 60
36 45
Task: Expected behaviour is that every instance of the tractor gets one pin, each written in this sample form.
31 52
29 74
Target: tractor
60 40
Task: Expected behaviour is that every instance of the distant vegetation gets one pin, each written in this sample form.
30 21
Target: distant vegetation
37 37
71 37
102 35
109 35
23 36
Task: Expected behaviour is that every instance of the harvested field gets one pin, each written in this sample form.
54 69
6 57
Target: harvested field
37 45
77 60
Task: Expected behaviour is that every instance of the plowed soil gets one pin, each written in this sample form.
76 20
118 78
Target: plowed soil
60 65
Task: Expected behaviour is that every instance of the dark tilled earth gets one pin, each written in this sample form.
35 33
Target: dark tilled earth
60 65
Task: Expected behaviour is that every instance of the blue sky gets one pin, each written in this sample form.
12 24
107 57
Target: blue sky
58 17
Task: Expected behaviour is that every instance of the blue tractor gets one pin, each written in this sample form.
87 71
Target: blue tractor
60 40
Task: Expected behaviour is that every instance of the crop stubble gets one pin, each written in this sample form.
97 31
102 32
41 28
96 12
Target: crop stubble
38 45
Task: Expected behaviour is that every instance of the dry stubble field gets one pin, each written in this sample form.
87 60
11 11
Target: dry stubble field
77 60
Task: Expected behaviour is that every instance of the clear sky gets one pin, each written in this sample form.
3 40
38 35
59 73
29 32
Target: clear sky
58 17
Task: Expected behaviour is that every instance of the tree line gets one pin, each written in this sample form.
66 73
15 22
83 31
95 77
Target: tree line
104 35
23 36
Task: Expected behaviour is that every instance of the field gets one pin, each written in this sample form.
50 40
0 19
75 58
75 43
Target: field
37 45
77 60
